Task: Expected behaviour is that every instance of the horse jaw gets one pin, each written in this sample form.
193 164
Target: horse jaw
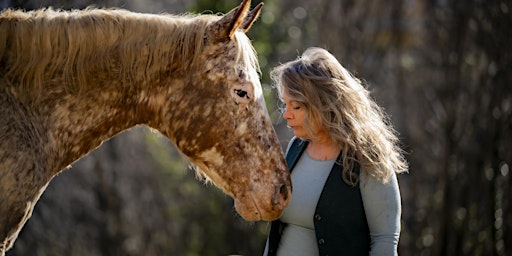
245 197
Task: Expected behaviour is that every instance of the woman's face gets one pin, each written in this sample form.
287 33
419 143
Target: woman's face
294 114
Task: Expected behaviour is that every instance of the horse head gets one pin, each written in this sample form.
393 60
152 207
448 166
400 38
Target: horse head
223 127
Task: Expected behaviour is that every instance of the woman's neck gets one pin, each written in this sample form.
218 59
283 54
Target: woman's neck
323 149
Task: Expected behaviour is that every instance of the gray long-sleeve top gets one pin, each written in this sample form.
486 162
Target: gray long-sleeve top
381 204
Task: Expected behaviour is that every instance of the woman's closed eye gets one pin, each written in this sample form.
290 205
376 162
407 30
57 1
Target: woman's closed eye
296 107
292 105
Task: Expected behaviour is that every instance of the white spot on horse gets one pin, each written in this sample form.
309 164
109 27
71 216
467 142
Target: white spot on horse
207 111
242 128
212 156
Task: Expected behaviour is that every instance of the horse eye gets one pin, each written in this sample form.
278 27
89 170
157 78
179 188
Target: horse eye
241 93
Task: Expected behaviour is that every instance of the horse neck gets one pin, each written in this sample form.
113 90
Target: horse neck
77 125
127 91
66 126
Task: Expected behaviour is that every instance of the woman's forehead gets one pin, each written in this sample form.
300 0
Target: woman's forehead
287 100
286 97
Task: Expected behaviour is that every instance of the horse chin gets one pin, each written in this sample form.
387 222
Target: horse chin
250 210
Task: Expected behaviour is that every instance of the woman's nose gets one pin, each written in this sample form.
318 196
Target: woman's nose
286 114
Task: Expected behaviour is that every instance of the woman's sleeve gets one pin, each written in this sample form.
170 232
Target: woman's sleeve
383 210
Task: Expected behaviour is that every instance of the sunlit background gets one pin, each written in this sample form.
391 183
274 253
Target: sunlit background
442 70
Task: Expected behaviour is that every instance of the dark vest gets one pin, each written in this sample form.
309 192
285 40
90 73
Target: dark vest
340 222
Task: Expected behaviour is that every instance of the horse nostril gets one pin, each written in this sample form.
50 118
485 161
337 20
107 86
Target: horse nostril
284 192
281 196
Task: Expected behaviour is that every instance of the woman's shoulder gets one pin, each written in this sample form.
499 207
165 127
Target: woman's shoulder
366 180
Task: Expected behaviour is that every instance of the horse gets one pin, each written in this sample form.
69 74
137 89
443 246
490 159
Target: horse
71 79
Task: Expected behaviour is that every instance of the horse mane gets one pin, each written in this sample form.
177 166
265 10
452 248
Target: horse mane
53 44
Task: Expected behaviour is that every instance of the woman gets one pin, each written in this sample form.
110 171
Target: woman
344 158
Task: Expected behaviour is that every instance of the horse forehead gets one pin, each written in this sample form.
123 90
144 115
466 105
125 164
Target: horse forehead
226 61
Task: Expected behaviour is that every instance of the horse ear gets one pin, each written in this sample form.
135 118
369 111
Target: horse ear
251 17
224 28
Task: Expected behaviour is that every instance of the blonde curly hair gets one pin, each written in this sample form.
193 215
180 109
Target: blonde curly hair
332 96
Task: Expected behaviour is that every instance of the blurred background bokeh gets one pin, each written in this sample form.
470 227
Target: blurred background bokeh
442 70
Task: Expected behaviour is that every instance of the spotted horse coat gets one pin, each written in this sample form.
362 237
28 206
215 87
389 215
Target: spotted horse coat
70 80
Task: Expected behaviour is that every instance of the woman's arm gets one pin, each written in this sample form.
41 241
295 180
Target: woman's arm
383 209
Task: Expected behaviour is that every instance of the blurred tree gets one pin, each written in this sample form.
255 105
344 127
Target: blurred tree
473 96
